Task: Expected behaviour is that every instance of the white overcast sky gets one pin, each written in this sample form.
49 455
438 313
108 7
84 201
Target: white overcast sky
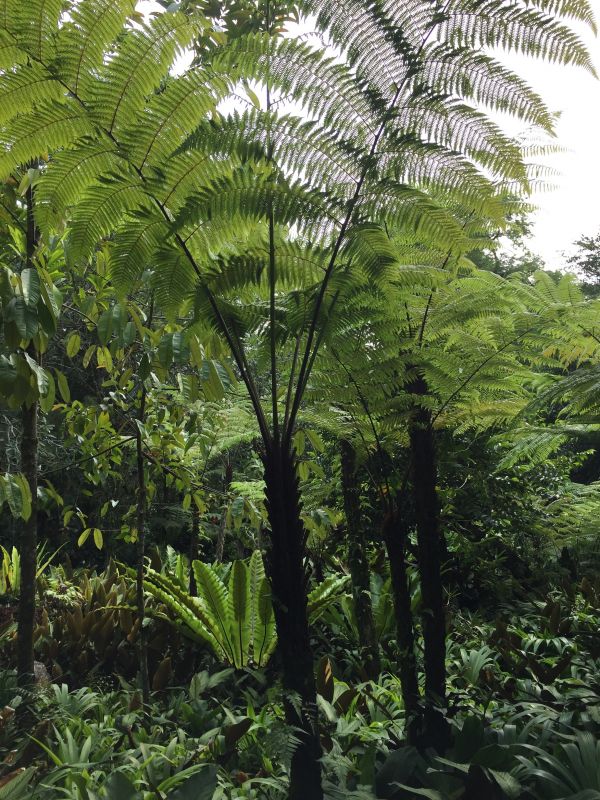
572 207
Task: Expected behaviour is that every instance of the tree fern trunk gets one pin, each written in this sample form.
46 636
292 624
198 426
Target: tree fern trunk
141 552
29 532
427 512
288 578
357 561
395 533
28 549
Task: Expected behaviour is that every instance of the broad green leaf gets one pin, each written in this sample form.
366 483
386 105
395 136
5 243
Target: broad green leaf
239 610
24 316
47 401
214 594
72 345
63 386
30 283
198 786
26 498
41 376
104 326
84 536
12 494
87 356
262 619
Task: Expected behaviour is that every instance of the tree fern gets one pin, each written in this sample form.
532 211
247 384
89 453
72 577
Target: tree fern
407 154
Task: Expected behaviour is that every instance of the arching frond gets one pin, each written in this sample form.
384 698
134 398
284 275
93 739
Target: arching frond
94 218
33 136
142 61
83 41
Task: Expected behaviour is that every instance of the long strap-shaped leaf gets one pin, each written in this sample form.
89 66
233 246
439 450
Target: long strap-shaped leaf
212 590
262 621
239 612
188 609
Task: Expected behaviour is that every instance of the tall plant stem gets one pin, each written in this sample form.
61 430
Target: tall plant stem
358 563
141 552
29 467
142 501
427 513
288 578
395 534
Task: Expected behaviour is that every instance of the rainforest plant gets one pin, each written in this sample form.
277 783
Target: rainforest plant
257 222
29 311
234 616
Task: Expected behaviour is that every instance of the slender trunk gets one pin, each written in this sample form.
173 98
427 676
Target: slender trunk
194 551
358 563
220 547
141 552
28 549
289 581
427 512
395 534
29 531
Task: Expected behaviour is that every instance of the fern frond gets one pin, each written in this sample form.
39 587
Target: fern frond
262 620
173 277
239 611
97 211
11 55
24 88
247 195
214 594
134 248
327 90
32 136
142 61
35 24
185 608
481 77
82 41
522 30
69 173
169 116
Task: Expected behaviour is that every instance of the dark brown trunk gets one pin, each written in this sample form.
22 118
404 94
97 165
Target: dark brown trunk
395 534
29 532
141 552
28 549
287 574
427 513
358 563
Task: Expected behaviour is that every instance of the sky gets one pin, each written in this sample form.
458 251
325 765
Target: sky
571 208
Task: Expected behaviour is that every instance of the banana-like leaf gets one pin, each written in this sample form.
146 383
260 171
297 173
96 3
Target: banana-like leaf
235 618
239 611
188 610
262 621
214 593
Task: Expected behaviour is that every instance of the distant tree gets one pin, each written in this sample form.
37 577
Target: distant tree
585 262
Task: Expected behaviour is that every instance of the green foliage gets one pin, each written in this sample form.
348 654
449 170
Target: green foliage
234 615
320 249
